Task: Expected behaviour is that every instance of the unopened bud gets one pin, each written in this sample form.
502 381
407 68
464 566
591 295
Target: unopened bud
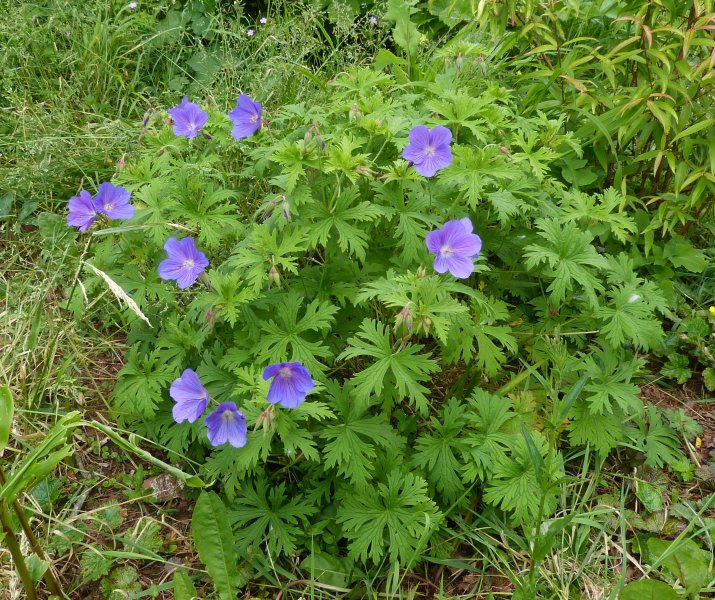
210 316
354 112
424 324
274 277
404 318
120 162
363 170
421 273
285 207
265 419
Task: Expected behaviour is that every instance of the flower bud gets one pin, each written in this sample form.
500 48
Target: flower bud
274 277
363 170
459 60
404 318
421 273
285 207
265 419
307 137
424 324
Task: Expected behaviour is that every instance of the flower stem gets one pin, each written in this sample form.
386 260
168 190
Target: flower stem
13 545
79 268
49 576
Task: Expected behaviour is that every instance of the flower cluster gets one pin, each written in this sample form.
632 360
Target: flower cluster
454 246
226 424
112 201
188 118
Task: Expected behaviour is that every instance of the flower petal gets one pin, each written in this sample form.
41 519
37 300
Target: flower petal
125 211
414 154
441 264
427 168
170 268
435 240
440 136
244 130
420 136
187 387
442 157
272 371
460 266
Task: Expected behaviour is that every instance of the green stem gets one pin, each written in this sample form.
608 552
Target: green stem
79 268
49 576
14 546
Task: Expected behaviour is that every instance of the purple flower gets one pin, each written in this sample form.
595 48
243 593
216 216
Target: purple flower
246 117
227 424
429 150
82 211
185 262
454 245
188 118
291 383
113 201
263 20
373 20
132 5
250 33
190 396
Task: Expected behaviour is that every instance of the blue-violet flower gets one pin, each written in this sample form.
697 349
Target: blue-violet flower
227 424
184 263
454 246
429 150
291 382
113 201
190 396
246 117
82 211
188 118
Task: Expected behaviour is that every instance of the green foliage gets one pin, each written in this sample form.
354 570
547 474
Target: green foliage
353 441
656 439
212 536
7 407
397 515
585 168
684 560
401 371
332 271
267 514
648 589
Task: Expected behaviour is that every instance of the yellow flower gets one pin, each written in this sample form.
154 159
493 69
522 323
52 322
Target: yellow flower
712 311
423 39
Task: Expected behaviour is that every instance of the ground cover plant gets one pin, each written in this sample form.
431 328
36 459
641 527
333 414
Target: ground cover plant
358 300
